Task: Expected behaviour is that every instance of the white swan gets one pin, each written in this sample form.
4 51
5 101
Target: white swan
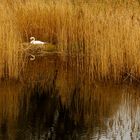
33 41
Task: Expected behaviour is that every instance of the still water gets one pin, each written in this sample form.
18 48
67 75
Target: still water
59 102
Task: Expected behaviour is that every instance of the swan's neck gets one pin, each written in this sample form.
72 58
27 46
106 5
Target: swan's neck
33 40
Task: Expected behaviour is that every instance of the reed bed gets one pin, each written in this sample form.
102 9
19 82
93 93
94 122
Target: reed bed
103 35
9 45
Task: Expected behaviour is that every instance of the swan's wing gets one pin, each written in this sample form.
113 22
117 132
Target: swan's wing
39 42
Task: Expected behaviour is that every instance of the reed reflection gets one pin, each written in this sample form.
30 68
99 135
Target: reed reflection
59 99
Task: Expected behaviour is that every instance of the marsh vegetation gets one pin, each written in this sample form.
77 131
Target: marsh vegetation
66 89
103 36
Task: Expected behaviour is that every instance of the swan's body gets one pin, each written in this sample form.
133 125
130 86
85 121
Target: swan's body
36 42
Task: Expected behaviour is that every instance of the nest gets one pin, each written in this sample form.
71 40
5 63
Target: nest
32 51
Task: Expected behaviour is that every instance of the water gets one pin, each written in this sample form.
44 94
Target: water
55 101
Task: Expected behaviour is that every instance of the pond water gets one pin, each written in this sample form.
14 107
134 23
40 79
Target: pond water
59 102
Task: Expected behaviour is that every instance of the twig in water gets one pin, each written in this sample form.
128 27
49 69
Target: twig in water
131 76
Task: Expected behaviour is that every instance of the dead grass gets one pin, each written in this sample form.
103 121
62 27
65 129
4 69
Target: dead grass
107 32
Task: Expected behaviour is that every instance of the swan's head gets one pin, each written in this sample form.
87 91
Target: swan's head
32 38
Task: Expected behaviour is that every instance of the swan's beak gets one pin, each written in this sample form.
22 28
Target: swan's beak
31 38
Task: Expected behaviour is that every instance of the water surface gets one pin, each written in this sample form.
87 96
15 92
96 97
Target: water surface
55 101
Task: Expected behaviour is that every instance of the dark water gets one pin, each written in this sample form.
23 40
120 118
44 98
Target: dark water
59 102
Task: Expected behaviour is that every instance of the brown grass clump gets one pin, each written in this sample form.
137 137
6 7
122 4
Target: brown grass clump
105 36
9 45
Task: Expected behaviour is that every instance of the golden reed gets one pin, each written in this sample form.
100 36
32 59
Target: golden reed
107 32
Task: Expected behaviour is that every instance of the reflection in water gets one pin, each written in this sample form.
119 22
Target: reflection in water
59 100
